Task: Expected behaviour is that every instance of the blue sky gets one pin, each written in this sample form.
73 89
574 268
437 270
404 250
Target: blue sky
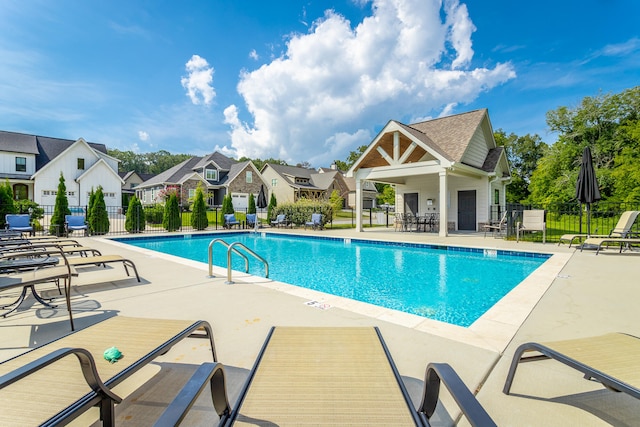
302 81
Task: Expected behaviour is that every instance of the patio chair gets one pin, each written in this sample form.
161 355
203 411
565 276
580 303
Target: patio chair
230 221
532 221
315 223
497 227
280 221
398 222
599 242
621 229
19 222
75 223
325 376
612 359
251 220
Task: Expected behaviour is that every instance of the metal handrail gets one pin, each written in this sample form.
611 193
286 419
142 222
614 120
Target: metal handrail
255 255
227 245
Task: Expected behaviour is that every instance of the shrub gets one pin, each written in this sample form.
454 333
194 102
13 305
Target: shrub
251 208
199 220
6 202
171 219
98 215
154 214
273 203
227 205
300 211
60 209
135 219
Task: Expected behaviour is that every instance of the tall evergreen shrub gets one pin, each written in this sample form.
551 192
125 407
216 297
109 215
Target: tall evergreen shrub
92 201
171 219
60 209
135 219
252 204
199 220
227 205
6 202
99 216
272 205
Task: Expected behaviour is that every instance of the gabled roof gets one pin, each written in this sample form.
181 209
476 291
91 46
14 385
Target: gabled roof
44 147
18 142
100 164
143 176
294 171
317 180
186 170
452 134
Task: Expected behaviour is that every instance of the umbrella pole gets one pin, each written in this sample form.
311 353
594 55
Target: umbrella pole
588 219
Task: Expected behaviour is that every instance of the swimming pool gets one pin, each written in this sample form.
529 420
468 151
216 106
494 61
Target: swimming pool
450 284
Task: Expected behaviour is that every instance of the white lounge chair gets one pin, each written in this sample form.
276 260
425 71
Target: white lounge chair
622 229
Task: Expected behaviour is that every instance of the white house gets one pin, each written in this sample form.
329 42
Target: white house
448 166
32 165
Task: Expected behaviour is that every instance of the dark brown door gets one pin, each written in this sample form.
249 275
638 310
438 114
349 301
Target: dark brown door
467 210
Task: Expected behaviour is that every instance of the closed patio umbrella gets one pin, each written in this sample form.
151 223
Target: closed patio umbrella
261 202
587 191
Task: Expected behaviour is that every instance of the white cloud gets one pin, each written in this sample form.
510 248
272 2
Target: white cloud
254 55
402 61
198 82
144 136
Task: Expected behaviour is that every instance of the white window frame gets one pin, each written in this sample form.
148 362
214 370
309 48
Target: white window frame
249 177
213 172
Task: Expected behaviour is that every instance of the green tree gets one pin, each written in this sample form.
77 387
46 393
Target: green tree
92 201
135 219
227 205
6 202
336 202
273 203
99 217
523 154
388 195
351 158
199 220
259 163
171 219
252 204
60 209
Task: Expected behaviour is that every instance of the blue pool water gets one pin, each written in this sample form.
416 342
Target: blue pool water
453 285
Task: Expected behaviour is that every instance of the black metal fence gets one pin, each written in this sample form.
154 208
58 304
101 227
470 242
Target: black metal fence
560 219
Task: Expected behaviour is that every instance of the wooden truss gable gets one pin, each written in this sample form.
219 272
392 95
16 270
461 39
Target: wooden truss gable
394 148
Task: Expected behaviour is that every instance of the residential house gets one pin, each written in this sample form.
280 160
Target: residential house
131 180
369 195
32 165
218 175
448 166
290 183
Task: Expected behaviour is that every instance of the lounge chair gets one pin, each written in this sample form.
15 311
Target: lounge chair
280 221
532 221
599 242
230 221
75 223
622 229
251 220
27 280
315 223
45 386
325 376
612 359
19 222
84 261
497 227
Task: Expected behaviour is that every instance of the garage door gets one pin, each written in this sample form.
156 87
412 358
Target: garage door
240 201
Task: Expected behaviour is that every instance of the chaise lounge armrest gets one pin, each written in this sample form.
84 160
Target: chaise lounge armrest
101 394
467 402
207 373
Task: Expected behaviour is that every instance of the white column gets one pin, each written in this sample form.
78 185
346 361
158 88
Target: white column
444 211
358 204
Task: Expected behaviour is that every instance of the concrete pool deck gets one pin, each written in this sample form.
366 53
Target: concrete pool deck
575 295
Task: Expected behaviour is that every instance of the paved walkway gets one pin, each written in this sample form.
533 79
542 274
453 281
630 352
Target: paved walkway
580 294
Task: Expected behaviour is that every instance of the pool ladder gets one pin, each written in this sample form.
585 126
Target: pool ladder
232 248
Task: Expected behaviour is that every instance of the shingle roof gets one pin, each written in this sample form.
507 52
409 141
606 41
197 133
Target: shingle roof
187 168
18 142
45 148
450 135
